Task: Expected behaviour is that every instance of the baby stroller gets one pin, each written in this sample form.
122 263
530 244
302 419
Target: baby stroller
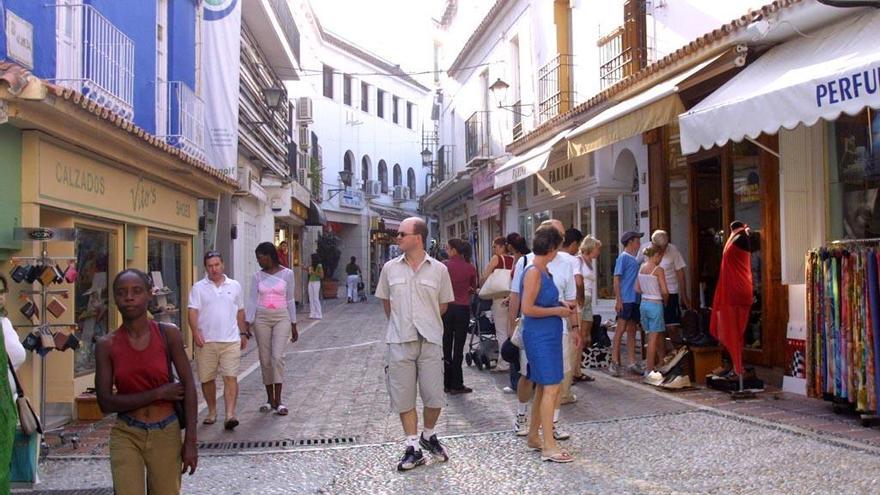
362 292
482 343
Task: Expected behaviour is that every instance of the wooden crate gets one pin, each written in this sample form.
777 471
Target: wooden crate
702 361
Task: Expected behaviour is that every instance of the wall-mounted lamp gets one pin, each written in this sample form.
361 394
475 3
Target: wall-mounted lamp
345 178
499 91
427 157
274 99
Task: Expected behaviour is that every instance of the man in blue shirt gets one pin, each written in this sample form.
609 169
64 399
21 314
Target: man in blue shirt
626 271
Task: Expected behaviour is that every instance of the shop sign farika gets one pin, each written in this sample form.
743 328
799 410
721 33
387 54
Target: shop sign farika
562 176
79 183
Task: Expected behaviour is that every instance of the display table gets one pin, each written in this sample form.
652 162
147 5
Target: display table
702 361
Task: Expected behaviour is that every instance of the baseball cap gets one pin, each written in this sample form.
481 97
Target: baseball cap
629 235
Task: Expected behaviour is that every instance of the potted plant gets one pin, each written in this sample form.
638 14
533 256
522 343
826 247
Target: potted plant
329 253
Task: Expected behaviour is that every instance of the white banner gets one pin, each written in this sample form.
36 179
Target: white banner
221 42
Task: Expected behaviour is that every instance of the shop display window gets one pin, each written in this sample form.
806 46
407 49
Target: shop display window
854 176
607 231
164 265
91 295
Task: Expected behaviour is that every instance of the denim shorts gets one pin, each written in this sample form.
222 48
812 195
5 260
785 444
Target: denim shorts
630 312
652 316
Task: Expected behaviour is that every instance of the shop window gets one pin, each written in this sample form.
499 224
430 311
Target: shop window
163 262
854 176
607 231
91 295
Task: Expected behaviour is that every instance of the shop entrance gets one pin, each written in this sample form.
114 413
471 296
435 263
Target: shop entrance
739 182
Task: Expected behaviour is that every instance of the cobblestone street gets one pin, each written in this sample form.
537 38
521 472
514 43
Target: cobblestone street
626 438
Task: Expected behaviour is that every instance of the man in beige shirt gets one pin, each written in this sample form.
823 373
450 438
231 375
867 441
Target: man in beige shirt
415 290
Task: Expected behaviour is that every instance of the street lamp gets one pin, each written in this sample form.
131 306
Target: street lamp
274 99
345 178
499 91
427 157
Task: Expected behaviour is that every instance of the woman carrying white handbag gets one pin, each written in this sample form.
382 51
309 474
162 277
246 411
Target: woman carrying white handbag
495 284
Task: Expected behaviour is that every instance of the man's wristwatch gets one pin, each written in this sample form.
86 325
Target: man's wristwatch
244 334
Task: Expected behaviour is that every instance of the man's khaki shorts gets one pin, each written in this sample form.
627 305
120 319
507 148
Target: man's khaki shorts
411 363
215 358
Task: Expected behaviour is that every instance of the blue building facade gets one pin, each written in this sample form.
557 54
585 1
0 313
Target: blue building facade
99 29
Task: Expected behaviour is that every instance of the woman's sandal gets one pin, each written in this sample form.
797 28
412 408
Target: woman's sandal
583 378
559 456
533 447
281 410
209 420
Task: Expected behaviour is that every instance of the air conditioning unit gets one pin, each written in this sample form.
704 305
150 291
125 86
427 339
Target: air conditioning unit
399 193
305 137
304 109
374 188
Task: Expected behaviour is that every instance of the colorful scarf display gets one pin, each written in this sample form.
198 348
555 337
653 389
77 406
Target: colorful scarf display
843 318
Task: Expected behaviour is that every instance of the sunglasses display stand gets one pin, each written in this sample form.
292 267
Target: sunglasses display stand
44 236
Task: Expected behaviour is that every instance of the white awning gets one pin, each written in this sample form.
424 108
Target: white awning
652 108
523 166
828 72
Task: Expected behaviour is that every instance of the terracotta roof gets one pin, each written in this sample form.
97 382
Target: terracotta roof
657 68
18 78
478 33
362 54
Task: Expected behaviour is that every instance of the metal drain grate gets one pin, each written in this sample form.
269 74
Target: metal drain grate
278 444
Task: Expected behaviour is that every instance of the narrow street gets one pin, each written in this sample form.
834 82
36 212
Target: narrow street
626 438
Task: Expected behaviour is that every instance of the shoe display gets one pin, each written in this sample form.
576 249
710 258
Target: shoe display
521 426
411 459
677 382
559 433
674 360
434 447
654 378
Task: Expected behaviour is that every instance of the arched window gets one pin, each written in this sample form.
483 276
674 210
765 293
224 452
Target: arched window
348 166
383 176
411 182
398 175
365 170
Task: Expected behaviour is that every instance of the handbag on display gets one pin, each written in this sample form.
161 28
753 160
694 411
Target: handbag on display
19 273
29 309
47 275
179 410
71 273
47 340
33 273
27 417
497 286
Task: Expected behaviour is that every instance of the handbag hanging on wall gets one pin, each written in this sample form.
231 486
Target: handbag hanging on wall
27 417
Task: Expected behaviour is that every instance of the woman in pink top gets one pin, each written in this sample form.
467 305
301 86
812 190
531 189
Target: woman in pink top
271 315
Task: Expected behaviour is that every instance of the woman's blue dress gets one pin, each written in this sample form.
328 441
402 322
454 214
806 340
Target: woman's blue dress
542 337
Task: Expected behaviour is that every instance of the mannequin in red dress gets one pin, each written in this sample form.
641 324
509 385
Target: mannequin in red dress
734 291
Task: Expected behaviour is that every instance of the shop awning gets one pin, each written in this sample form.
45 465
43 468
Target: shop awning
527 164
819 76
316 215
653 108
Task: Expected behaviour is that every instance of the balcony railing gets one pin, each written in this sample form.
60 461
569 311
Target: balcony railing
444 167
97 59
476 137
185 128
615 58
554 87
517 120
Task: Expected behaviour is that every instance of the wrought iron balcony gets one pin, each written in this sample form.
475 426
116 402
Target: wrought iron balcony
517 120
615 58
555 94
476 138
185 127
97 59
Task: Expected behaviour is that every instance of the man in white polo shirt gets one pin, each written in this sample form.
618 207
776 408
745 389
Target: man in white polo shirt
216 317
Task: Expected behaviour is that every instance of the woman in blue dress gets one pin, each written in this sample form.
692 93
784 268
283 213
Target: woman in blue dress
542 338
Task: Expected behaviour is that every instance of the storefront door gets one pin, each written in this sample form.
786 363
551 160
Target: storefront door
739 182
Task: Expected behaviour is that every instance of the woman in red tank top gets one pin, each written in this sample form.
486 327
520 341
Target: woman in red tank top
146 452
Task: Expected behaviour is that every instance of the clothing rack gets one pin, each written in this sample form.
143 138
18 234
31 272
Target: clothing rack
874 240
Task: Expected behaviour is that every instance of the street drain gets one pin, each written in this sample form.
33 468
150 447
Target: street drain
278 444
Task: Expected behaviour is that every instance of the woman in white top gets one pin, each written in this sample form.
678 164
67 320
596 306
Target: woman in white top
651 284
589 250
14 349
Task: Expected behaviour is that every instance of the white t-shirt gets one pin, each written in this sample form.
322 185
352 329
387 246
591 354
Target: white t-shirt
563 278
671 263
218 309
14 350
586 271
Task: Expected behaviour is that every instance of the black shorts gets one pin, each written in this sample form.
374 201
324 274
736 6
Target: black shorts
630 312
672 310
